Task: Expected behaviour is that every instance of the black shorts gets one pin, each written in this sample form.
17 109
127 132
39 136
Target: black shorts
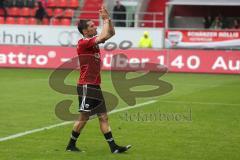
91 99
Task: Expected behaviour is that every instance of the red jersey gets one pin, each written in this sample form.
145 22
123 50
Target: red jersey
90 61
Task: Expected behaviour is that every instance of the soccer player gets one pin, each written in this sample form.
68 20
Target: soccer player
91 101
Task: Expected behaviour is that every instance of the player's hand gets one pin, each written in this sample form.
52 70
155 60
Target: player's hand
104 13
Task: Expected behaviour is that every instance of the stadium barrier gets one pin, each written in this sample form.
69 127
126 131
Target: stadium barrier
69 36
213 39
192 61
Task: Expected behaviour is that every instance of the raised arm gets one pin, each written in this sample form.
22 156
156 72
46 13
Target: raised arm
108 29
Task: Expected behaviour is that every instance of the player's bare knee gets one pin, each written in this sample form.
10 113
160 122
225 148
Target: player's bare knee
84 117
103 118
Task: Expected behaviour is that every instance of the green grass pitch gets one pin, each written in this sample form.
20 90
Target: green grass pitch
210 130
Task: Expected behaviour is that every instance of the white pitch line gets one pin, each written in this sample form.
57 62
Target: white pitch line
66 123
33 131
135 106
201 103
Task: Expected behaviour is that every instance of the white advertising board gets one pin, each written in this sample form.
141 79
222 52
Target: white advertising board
68 36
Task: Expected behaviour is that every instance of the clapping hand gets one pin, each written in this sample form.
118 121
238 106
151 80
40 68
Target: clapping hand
104 13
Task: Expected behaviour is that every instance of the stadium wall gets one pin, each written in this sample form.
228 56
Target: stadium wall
68 36
51 46
192 61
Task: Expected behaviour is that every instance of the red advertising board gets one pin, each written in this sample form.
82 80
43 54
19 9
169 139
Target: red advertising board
195 61
202 39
